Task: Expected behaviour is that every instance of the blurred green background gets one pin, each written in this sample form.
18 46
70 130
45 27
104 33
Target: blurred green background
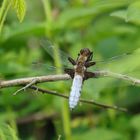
109 28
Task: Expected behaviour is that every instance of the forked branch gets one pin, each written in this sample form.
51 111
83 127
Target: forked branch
51 78
28 83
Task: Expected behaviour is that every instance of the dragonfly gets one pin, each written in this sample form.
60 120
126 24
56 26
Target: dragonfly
79 73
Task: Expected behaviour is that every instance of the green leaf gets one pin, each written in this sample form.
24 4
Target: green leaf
7 132
133 12
72 15
120 14
27 28
2 136
3 12
20 7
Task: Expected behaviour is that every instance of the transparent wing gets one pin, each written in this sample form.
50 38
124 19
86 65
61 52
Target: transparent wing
126 64
45 68
114 58
50 68
99 88
51 48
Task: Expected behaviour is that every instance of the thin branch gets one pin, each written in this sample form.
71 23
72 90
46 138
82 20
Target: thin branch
28 82
51 78
25 87
131 80
39 79
44 91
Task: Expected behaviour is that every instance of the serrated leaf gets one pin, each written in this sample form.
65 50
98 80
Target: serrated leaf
133 12
20 7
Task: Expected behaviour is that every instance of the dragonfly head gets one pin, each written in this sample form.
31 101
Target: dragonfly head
86 53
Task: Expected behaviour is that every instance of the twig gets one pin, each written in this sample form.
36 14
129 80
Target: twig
44 91
25 87
51 78
39 79
131 80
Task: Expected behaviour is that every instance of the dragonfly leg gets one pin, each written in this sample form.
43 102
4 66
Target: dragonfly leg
88 64
72 61
90 57
88 75
70 72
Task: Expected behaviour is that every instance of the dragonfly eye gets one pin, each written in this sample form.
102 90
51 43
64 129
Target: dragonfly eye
85 51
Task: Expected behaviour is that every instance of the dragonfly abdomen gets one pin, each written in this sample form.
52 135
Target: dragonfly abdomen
75 91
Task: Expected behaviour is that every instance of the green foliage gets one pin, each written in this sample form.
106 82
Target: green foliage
78 14
20 8
100 134
131 14
3 12
7 133
109 28
18 5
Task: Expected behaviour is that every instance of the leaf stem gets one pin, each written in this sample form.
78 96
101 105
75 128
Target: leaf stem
57 61
3 12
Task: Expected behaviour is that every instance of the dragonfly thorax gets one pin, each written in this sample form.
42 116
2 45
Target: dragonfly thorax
80 68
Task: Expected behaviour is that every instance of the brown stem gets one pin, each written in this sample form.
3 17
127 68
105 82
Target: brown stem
44 91
51 78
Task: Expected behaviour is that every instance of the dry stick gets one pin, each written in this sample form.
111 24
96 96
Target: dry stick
25 87
106 73
44 91
40 79
51 78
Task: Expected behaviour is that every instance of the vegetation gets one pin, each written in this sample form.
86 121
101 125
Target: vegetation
109 28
